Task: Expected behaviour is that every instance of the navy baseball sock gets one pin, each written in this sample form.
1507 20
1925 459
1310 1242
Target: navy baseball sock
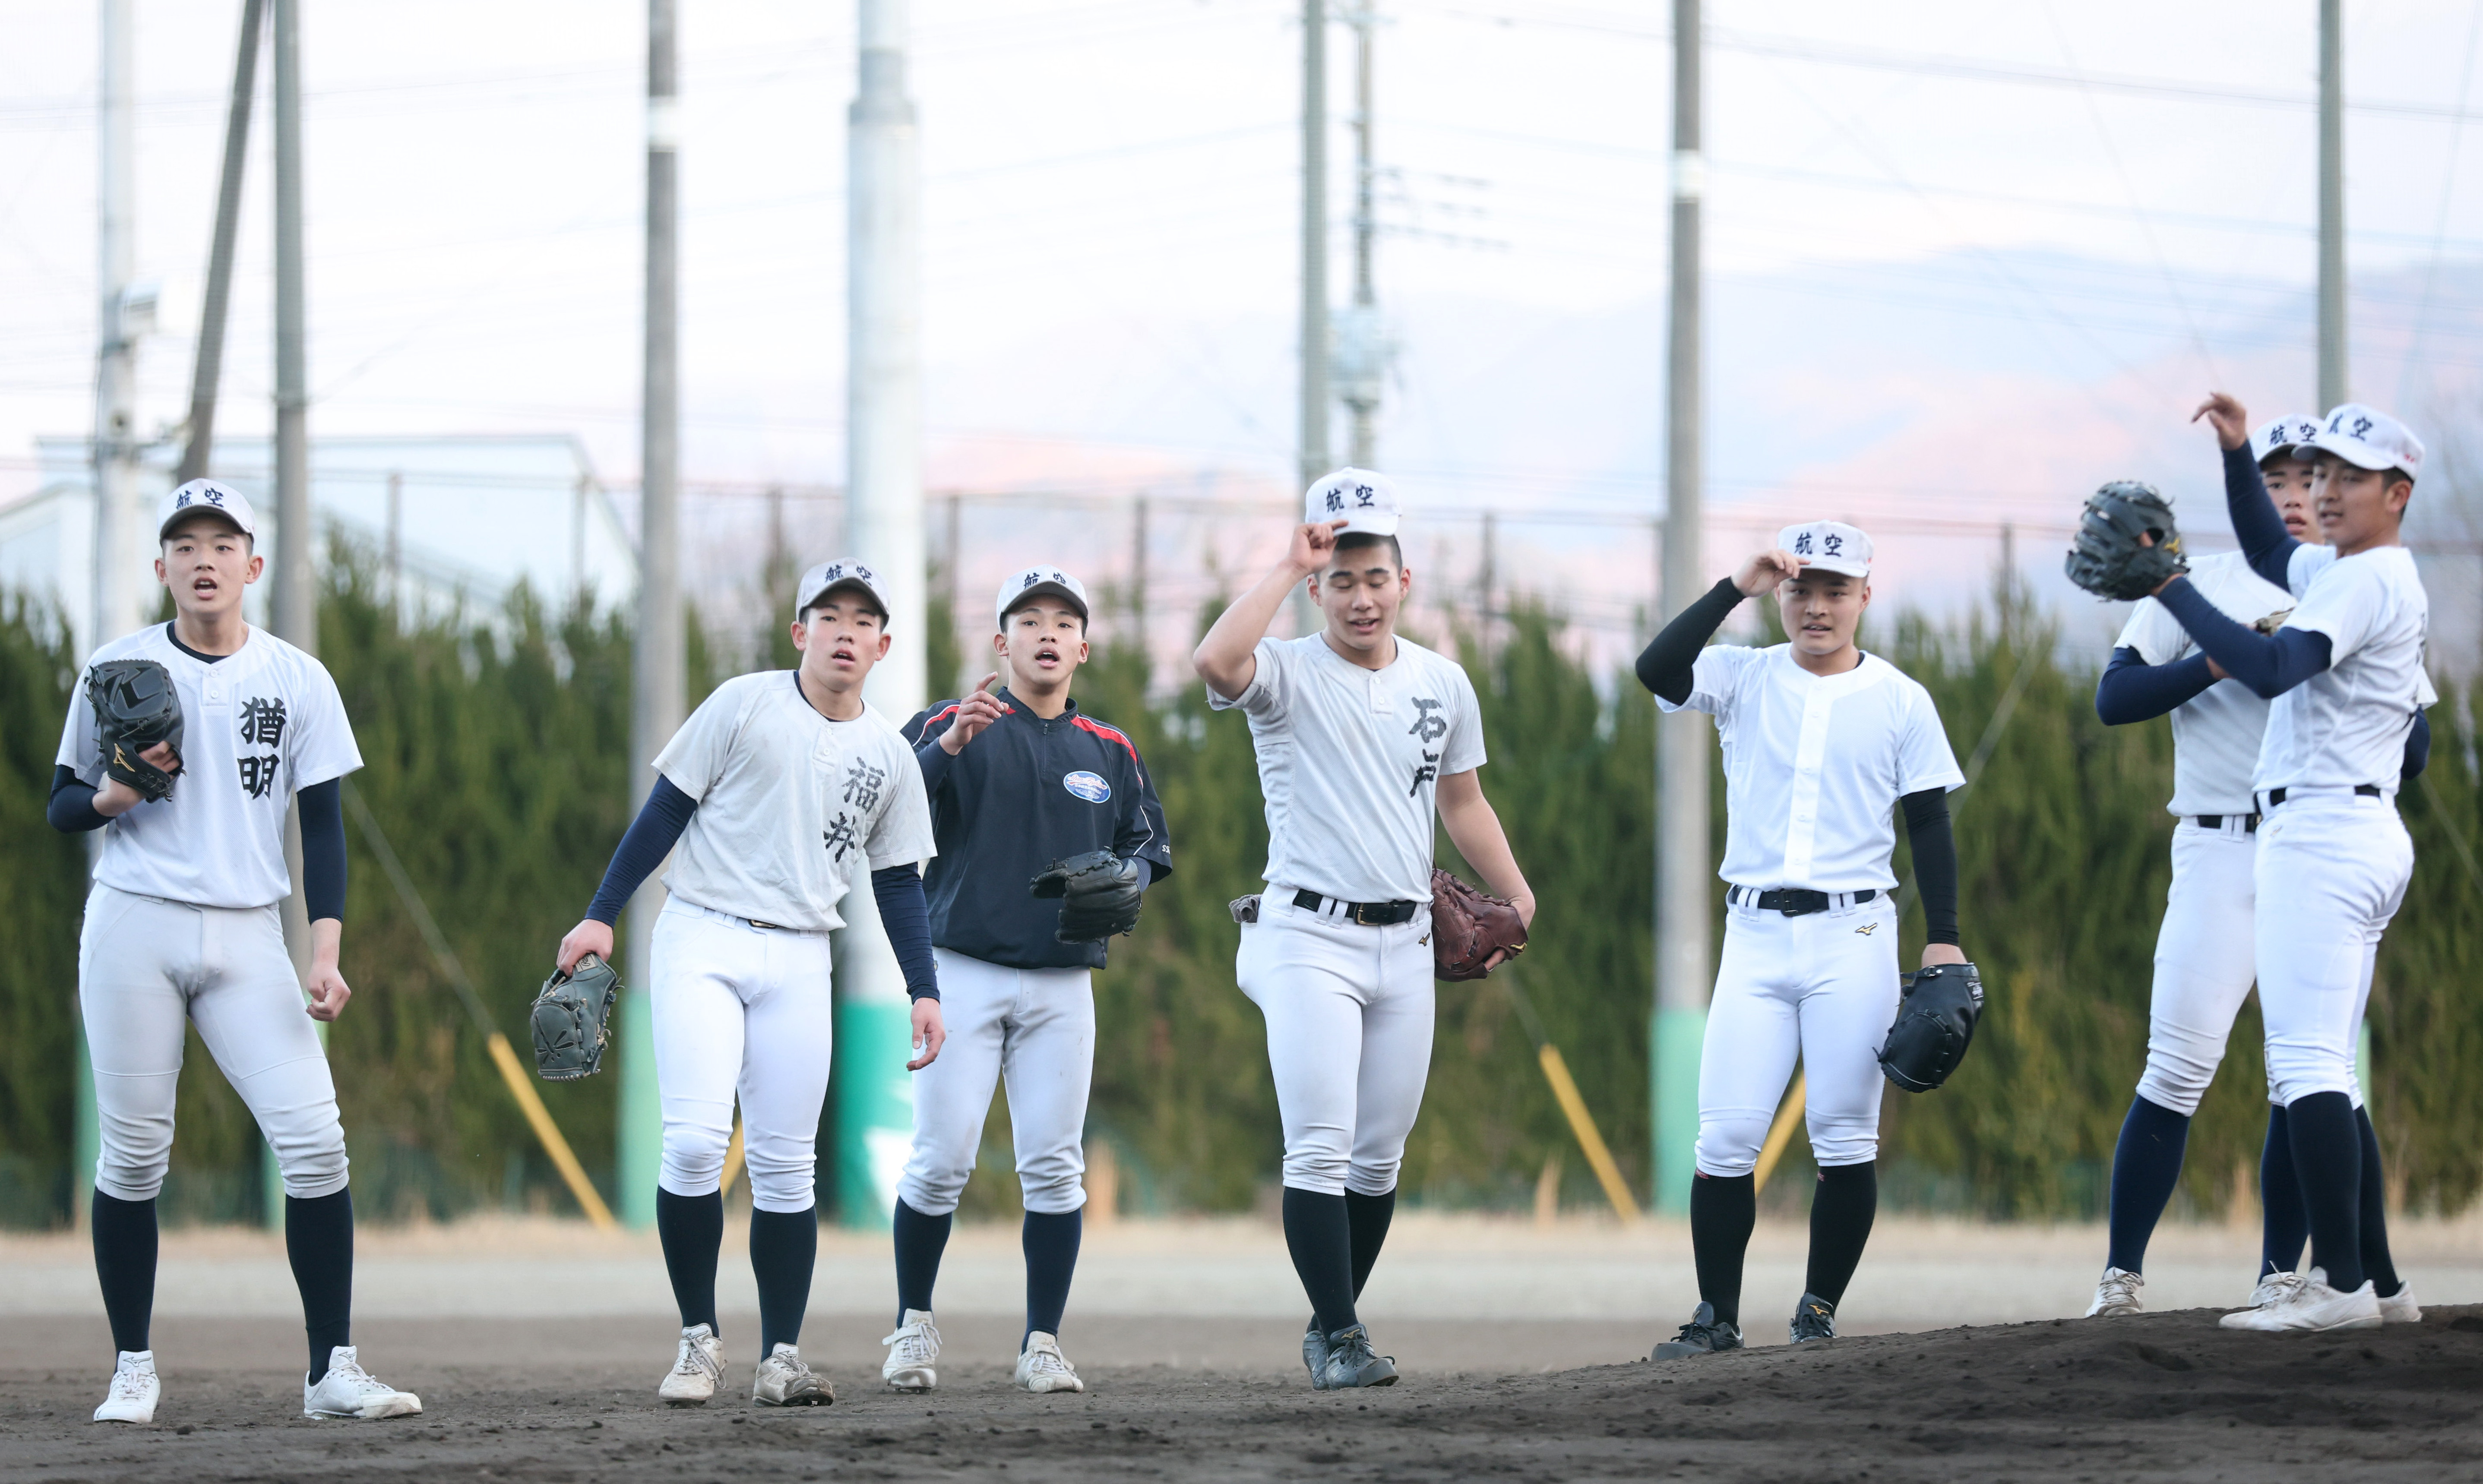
1050 1240
919 1241
1319 1235
319 1242
2328 1160
784 1248
2146 1166
1842 1208
1366 1220
2284 1226
124 1266
2381 1268
1724 1208
691 1230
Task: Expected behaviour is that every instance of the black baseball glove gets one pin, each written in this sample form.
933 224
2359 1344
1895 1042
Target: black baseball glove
569 1021
2127 545
135 707
1098 894
1935 1017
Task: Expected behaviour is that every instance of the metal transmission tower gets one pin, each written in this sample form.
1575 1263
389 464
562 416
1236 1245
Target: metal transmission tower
884 527
2331 204
1361 359
1684 971
659 677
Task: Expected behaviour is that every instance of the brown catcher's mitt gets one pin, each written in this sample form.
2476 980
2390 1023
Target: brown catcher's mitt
1468 927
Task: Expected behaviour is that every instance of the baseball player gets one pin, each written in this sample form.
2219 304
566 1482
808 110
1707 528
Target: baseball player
2203 965
1362 738
778 789
182 925
1023 788
2344 673
1821 743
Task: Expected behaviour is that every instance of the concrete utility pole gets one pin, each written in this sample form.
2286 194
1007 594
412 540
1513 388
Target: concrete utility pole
2331 204
1684 971
207 370
124 313
1313 437
884 528
1361 353
660 683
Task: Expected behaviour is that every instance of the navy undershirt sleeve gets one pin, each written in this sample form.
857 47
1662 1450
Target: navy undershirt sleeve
1934 844
323 849
2417 753
1664 667
651 836
2261 530
935 761
906 917
72 807
2133 690
2269 664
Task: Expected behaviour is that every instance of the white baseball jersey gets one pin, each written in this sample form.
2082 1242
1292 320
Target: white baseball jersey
1350 760
257 726
2346 726
1814 765
786 800
2215 734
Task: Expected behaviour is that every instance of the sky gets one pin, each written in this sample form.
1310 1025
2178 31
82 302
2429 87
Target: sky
1965 260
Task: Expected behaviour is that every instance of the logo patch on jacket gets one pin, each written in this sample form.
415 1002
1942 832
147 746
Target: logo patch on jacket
1090 786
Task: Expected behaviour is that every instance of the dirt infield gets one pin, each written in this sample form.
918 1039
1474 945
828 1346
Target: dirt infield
2164 1396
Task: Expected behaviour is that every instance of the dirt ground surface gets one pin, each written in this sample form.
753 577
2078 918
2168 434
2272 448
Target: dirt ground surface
2163 1396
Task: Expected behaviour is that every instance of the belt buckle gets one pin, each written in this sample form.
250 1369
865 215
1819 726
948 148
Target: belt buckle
1354 911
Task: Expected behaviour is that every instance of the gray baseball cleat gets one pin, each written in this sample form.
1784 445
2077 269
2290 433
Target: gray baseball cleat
1813 1319
1314 1350
1350 1363
1703 1335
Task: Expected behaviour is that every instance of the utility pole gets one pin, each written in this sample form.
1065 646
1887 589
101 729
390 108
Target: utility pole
1684 973
1361 353
207 370
124 312
1138 578
659 685
884 528
2331 204
1312 461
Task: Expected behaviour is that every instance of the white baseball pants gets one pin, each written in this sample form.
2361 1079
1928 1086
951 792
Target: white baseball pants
1035 1028
2331 873
1349 1011
1821 985
2204 965
740 1012
145 965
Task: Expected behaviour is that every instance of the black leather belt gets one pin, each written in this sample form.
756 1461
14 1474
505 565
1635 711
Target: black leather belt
1368 914
2250 822
2275 796
1792 901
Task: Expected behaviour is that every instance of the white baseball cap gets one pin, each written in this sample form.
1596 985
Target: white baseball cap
1035 582
843 572
2283 437
2368 438
1367 502
1829 546
208 494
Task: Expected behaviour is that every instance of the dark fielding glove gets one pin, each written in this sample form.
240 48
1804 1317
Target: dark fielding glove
135 707
1098 894
569 1018
1469 926
1935 1025
2107 558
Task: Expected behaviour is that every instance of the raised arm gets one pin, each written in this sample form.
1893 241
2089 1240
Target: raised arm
2256 525
1227 659
2269 664
1666 664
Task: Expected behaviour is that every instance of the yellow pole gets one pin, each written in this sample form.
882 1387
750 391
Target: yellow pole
1565 1089
549 1132
732 1160
1780 1134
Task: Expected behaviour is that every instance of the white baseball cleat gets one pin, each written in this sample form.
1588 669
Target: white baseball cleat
783 1381
347 1390
2274 1287
2312 1307
1042 1367
2399 1308
913 1354
135 1390
2117 1294
697 1371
